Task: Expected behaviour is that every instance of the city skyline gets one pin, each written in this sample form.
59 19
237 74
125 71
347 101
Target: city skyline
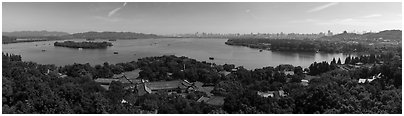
174 18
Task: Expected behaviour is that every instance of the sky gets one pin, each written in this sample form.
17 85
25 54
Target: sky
182 17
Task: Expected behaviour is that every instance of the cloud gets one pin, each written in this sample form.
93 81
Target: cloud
248 11
303 21
108 19
112 12
318 8
372 16
356 22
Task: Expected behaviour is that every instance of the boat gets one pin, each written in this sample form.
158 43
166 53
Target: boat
211 58
80 48
112 40
260 50
43 50
115 52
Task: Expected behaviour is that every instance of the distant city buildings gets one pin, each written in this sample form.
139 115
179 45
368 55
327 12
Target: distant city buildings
280 35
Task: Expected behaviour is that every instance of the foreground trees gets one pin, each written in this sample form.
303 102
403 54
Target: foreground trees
34 88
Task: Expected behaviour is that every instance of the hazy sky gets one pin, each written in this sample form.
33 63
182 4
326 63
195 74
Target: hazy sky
170 18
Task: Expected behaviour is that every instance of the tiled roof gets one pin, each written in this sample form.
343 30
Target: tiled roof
203 98
106 87
214 100
167 85
130 75
105 80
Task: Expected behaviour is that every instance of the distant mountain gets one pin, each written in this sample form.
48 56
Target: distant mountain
387 34
34 33
112 35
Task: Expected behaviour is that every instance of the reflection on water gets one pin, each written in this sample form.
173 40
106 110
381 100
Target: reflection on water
200 49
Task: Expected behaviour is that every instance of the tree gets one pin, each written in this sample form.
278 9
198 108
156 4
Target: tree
116 92
348 60
333 61
339 61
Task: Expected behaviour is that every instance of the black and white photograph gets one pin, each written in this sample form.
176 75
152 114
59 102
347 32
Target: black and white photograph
198 57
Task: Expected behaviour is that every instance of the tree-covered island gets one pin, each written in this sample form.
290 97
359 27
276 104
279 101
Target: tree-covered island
84 45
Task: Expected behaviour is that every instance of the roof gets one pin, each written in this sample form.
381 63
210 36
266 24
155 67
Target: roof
206 90
168 85
289 73
142 89
265 94
198 84
105 80
203 98
106 87
199 87
364 80
309 77
214 100
225 73
279 93
130 74
282 93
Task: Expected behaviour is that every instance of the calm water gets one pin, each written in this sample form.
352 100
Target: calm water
199 49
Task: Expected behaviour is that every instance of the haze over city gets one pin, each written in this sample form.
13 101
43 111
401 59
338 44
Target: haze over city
171 18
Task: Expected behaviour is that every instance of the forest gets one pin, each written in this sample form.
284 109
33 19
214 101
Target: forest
84 45
301 45
29 87
9 39
367 43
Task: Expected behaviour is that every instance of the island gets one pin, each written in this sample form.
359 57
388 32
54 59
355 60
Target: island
84 45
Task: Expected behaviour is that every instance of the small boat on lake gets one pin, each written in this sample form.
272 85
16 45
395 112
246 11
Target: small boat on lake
43 50
115 52
211 58
260 50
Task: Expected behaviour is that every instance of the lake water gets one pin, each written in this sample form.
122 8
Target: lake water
131 50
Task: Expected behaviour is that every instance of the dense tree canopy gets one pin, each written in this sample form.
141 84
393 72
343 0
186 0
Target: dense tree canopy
34 88
84 45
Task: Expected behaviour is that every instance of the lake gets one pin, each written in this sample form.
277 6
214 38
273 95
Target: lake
131 50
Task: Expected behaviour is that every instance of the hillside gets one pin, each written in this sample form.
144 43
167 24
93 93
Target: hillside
342 36
34 33
387 34
112 35
395 35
